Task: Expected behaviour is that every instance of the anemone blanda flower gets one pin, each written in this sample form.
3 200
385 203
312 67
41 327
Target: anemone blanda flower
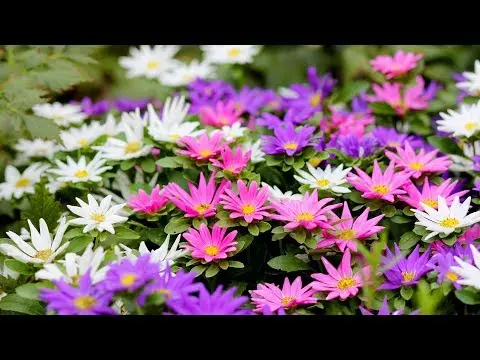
62 114
150 62
248 204
397 65
257 155
230 54
220 115
250 100
128 104
277 195
80 171
471 81
470 273
148 203
293 116
418 164
207 93
390 138
81 137
354 146
202 200
37 148
343 122
203 147
232 132
182 74
233 161
308 212
442 263
287 140
430 193
384 309
341 282
464 122
17 184
327 179
347 231
91 108
209 246
380 186
471 234
287 297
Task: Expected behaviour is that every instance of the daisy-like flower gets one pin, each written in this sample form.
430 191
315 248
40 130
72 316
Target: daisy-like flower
445 219
202 147
471 81
42 249
341 282
470 159
208 245
233 161
470 273
355 146
37 148
202 200
17 184
62 114
148 203
81 171
86 299
277 195
347 231
249 204
465 122
287 140
150 62
430 193
397 65
230 54
76 266
257 154
308 212
94 216
232 132
401 271
380 186
93 109
182 74
220 115
442 263
418 164
288 297
324 179
82 137
390 138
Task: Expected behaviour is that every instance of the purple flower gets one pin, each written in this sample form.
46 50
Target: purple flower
401 271
94 109
292 116
360 104
208 93
384 310
389 137
130 275
477 186
125 104
458 77
441 263
476 162
217 303
268 311
287 140
249 100
86 299
431 91
354 147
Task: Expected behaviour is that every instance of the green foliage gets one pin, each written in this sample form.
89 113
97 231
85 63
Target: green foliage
288 263
42 205
16 303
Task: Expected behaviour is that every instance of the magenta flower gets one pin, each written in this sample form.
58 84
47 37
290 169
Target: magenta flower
380 186
202 200
148 204
233 161
210 246
290 296
308 212
249 203
341 282
342 122
430 194
223 114
346 231
287 140
203 147
472 234
396 66
418 164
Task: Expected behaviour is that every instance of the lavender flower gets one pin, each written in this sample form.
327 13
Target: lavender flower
389 137
385 310
125 104
441 263
354 147
287 140
94 108
292 116
208 93
360 104
249 100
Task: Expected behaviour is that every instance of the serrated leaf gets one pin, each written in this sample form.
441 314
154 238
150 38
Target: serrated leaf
288 263
31 291
70 234
168 162
126 233
351 90
40 127
278 230
380 108
78 244
388 210
246 240
177 226
61 75
21 268
408 240
14 302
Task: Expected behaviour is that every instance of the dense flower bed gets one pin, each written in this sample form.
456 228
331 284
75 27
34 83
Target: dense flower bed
313 199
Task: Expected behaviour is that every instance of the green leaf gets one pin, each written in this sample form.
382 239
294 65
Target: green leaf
408 240
70 234
400 219
351 90
468 296
42 205
126 233
177 226
406 210
311 242
21 96
14 302
399 303
235 264
289 160
288 263
380 108
452 239
278 230
445 145
223 264
148 165
389 211
78 244
245 240
21 268
253 229
226 223
61 75
406 292
168 162
273 160
276 237
31 291
298 164
299 235
199 269
264 226
127 164
212 271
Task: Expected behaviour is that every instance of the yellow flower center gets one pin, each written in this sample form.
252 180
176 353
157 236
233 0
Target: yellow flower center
347 234
58 117
408 276
286 300
132 147
449 222
416 166
187 77
153 64
43 254
85 302
381 189
314 161
205 153
128 279
315 100
166 293
81 173
22 182
174 136
224 121
211 250
470 126
98 217
202 208
393 144
290 146
82 142
304 216
346 283
451 276
248 209
323 182
234 52
430 202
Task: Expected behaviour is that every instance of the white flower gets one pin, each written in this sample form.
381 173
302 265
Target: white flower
111 128
232 132
287 93
83 137
463 164
6 272
74 266
230 54
81 171
257 154
472 84
465 122
324 179
17 184
446 220
132 119
469 272
37 148
62 114
183 74
277 195
42 249
94 216
148 61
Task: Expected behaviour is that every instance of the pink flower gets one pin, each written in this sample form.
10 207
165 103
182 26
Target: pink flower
380 186
418 164
210 246
472 234
400 64
249 204
148 204
346 231
221 115
270 295
232 161
308 212
202 201
340 282
429 194
203 147
344 123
